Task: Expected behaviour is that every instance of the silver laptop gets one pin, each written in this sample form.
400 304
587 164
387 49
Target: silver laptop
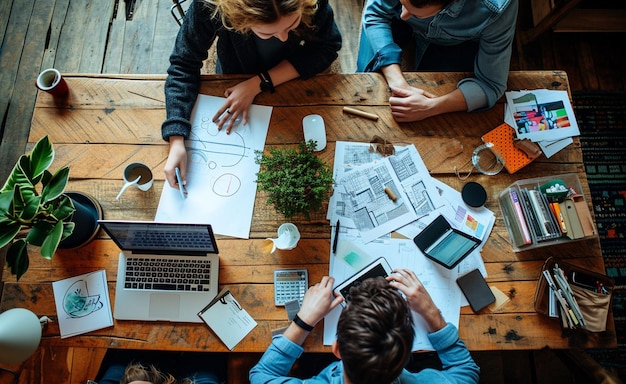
166 271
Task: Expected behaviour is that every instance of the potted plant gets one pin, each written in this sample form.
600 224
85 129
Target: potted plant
35 210
296 181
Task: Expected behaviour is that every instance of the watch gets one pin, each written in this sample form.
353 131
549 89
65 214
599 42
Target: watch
266 82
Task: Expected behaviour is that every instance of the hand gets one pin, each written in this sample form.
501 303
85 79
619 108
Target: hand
238 101
411 104
318 301
176 158
418 298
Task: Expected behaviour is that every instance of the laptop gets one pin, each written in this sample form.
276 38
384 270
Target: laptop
166 271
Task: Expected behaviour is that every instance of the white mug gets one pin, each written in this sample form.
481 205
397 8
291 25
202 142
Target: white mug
137 174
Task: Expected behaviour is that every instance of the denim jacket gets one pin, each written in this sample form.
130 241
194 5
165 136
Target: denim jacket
310 53
458 365
490 23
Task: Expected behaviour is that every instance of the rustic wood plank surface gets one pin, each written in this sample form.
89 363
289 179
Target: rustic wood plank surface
109 121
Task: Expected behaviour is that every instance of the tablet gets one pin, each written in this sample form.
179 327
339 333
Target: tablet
379 267
446 245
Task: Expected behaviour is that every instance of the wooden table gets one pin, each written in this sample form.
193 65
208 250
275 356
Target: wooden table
110 121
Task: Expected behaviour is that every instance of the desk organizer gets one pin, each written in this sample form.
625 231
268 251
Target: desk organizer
545 210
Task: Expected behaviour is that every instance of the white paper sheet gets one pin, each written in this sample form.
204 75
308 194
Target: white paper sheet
400 253
221 171
230 322
82 303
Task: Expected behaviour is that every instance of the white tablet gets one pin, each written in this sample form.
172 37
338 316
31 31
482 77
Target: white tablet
379 267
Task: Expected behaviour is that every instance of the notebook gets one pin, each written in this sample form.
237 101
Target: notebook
166 271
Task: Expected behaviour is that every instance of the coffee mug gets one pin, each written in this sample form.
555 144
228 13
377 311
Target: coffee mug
51 81
137 174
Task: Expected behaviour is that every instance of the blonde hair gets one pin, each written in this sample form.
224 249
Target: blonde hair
138 372
241 15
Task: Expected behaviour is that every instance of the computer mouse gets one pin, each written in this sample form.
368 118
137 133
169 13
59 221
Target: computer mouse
314 129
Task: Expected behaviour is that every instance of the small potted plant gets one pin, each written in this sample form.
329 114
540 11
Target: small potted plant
35 210
296 181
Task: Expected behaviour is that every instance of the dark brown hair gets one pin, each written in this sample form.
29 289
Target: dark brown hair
375 333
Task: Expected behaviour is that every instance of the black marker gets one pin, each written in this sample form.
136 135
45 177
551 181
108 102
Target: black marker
336 238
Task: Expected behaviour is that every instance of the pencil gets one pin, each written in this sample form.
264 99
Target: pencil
358 112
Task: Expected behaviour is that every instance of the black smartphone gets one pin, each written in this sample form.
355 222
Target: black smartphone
476 290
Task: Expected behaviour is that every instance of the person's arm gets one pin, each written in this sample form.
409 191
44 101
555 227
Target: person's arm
280 356
458 365
491 68
377 48
240 97
182 85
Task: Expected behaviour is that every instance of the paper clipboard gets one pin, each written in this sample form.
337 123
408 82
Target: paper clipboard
502 137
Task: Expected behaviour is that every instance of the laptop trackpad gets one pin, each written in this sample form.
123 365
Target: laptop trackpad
164 307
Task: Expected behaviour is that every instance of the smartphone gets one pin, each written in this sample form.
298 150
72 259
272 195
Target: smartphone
476 290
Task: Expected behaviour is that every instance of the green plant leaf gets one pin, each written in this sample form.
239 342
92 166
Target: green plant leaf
30 209
52 241
57 185
8 231
39 232
17 258
18 175
68 229
6 198
41 156
64 209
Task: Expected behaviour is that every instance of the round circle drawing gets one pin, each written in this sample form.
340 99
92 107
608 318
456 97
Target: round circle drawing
226 185
78 303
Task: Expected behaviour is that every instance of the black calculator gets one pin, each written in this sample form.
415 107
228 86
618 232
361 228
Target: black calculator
290 284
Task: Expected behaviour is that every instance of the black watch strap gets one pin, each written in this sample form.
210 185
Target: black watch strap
300 323
266 82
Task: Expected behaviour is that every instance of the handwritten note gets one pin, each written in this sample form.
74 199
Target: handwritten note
82 303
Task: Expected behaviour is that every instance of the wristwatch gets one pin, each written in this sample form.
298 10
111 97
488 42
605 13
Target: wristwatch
266 82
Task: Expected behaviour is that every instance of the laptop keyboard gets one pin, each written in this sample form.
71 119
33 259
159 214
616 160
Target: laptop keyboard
167 274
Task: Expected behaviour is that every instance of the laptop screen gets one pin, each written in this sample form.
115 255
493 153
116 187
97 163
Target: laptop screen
161 238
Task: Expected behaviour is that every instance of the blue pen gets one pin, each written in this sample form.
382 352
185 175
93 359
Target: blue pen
181 187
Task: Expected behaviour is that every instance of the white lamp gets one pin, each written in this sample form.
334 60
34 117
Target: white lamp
20 334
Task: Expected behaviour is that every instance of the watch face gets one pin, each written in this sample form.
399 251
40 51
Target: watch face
265 85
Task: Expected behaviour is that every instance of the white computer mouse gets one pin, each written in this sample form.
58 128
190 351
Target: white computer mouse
314 129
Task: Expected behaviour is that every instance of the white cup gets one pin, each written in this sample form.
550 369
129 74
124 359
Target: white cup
139 175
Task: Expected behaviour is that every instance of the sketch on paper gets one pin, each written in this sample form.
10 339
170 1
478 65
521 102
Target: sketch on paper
82 303
221 171
77 302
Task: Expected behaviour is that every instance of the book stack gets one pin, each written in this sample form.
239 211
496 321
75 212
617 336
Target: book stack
543 211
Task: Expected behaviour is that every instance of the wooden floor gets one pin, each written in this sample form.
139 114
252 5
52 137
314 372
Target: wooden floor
93 36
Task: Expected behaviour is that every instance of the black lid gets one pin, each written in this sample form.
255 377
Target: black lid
474 194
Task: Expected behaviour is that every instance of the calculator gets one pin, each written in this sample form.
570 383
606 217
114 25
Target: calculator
290 284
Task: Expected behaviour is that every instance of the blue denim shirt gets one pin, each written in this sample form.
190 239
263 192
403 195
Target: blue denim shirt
490 23
458 365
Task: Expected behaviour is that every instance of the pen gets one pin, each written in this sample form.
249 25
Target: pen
181 187
336 238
